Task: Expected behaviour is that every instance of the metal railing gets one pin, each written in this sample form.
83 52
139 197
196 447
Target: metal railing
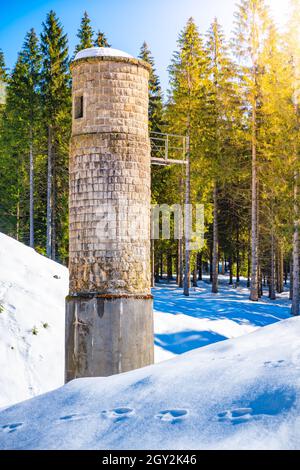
168 149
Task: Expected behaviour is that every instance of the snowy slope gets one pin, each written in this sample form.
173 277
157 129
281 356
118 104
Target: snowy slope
32 292
235 394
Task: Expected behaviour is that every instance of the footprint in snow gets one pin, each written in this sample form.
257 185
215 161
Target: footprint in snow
118 414
236 416
9 428
172 416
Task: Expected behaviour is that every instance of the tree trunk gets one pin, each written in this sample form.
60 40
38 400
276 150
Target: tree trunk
254 212
280 270
248 269
285 273
295 300
152 264
180 264
195 276
215 256
169 266
210 263
272 268
199 257
230 270
187 223
156 255
31 192
260 286
49 195
237 256
291 278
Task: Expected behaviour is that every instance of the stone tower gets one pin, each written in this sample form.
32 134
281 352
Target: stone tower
109 320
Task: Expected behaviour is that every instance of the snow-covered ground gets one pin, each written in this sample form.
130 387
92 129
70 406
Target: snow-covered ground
240 393
33 290
182 323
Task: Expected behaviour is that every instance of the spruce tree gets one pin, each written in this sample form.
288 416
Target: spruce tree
31 58
155 92
3 69
85 34
14 182
22 131
293 50
101 40
155 114
56 97
251 23
3 79
187 113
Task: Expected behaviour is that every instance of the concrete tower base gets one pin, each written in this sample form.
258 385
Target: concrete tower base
107 334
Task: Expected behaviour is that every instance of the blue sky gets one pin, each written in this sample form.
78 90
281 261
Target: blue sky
127 23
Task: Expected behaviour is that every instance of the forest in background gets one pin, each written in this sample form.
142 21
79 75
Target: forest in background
236 99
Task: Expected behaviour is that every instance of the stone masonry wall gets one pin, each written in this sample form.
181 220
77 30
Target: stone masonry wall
110 179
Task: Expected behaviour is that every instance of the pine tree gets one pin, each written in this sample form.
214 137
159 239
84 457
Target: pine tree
3 69
101 40
14 146
223 106
186 112
3 79
155 92
85 34
31 58
292 40
251 23
22 130
56 105
155 114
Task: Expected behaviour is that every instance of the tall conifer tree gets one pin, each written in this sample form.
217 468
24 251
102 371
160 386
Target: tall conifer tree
85 34
56 106
251 23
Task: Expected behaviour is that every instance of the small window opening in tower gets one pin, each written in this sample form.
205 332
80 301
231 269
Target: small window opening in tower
78 107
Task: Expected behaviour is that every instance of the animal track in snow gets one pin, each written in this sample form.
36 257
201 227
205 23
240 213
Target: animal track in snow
273 364
236 415
9 428
118 414
172 416
72 417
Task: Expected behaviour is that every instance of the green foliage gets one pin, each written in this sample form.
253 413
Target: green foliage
56 106
3 69
227 98
101 40
155 92
85 34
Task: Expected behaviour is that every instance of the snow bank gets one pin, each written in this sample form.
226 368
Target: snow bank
32 293
236 394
